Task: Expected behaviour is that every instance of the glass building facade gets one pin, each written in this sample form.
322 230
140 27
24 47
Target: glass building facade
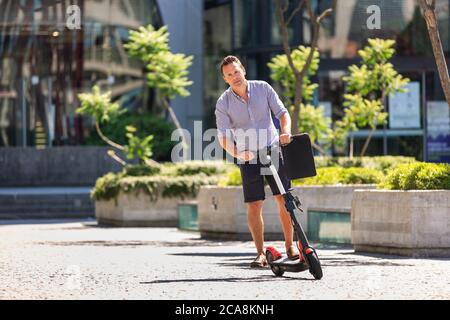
249 29
51 50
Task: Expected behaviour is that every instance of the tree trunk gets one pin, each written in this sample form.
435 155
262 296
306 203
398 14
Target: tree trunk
366 144
319 148
287 50
176 122
105 138
433 31
352 142
299 74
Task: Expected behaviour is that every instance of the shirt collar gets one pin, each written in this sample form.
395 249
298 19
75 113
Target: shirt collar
236 95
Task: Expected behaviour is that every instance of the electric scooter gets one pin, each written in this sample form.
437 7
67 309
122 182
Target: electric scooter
308 259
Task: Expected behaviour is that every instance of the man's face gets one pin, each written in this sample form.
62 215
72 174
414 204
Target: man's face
234 74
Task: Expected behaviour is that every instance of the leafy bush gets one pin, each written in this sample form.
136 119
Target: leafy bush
325 176
336 175
146 124
360 176
418 176
382 163
167 180
190 168
140 170
109 186
233 178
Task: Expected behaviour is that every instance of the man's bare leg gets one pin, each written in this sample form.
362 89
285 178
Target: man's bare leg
256 224
285 220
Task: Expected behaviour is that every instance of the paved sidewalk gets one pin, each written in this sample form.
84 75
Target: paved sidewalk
78 260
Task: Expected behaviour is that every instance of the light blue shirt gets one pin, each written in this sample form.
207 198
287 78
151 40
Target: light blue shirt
249 124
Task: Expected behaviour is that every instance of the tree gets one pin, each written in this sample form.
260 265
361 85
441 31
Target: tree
317 125
368 86
299 72
166 71
99 106
312 119
428 10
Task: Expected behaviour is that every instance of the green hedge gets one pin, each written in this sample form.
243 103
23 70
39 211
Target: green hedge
191 168
167 180
109 186
336 175
418 176
232 178
325 176
382 163
140 170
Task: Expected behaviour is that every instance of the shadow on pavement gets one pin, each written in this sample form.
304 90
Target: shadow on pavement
243 279
336 262
215 254
392 257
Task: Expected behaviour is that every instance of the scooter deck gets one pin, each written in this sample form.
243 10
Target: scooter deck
290 265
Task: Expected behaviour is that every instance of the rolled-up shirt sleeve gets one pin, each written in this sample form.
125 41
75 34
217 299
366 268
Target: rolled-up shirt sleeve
223 120
275 103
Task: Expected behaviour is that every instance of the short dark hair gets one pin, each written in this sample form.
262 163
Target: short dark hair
229 60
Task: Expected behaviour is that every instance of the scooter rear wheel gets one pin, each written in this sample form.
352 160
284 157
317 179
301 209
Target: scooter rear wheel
277 271
314 265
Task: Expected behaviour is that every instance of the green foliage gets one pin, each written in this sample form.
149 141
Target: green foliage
166 71
338 170
137 147
364 112
146 42
418 176
233 178
190 168
367 86
313 121
108 187
146 124
140 170
380 163
168 180
98 105
325 176
336 175
375 73
281 72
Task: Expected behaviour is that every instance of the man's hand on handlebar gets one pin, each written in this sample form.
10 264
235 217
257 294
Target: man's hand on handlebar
285 139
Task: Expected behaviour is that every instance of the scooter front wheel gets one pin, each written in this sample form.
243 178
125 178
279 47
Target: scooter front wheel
314 265
277 271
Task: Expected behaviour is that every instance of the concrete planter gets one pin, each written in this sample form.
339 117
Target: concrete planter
135 209
412 223
222 213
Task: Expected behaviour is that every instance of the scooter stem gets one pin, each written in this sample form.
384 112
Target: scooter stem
276 176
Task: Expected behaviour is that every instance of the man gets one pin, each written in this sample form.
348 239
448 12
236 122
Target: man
246 107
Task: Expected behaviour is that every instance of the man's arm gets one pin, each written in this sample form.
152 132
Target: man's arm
229 147
223 126
285 124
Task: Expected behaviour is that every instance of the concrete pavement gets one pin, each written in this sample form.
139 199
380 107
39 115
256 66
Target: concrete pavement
61 259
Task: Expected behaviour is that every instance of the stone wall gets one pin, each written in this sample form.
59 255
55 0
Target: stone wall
58 166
